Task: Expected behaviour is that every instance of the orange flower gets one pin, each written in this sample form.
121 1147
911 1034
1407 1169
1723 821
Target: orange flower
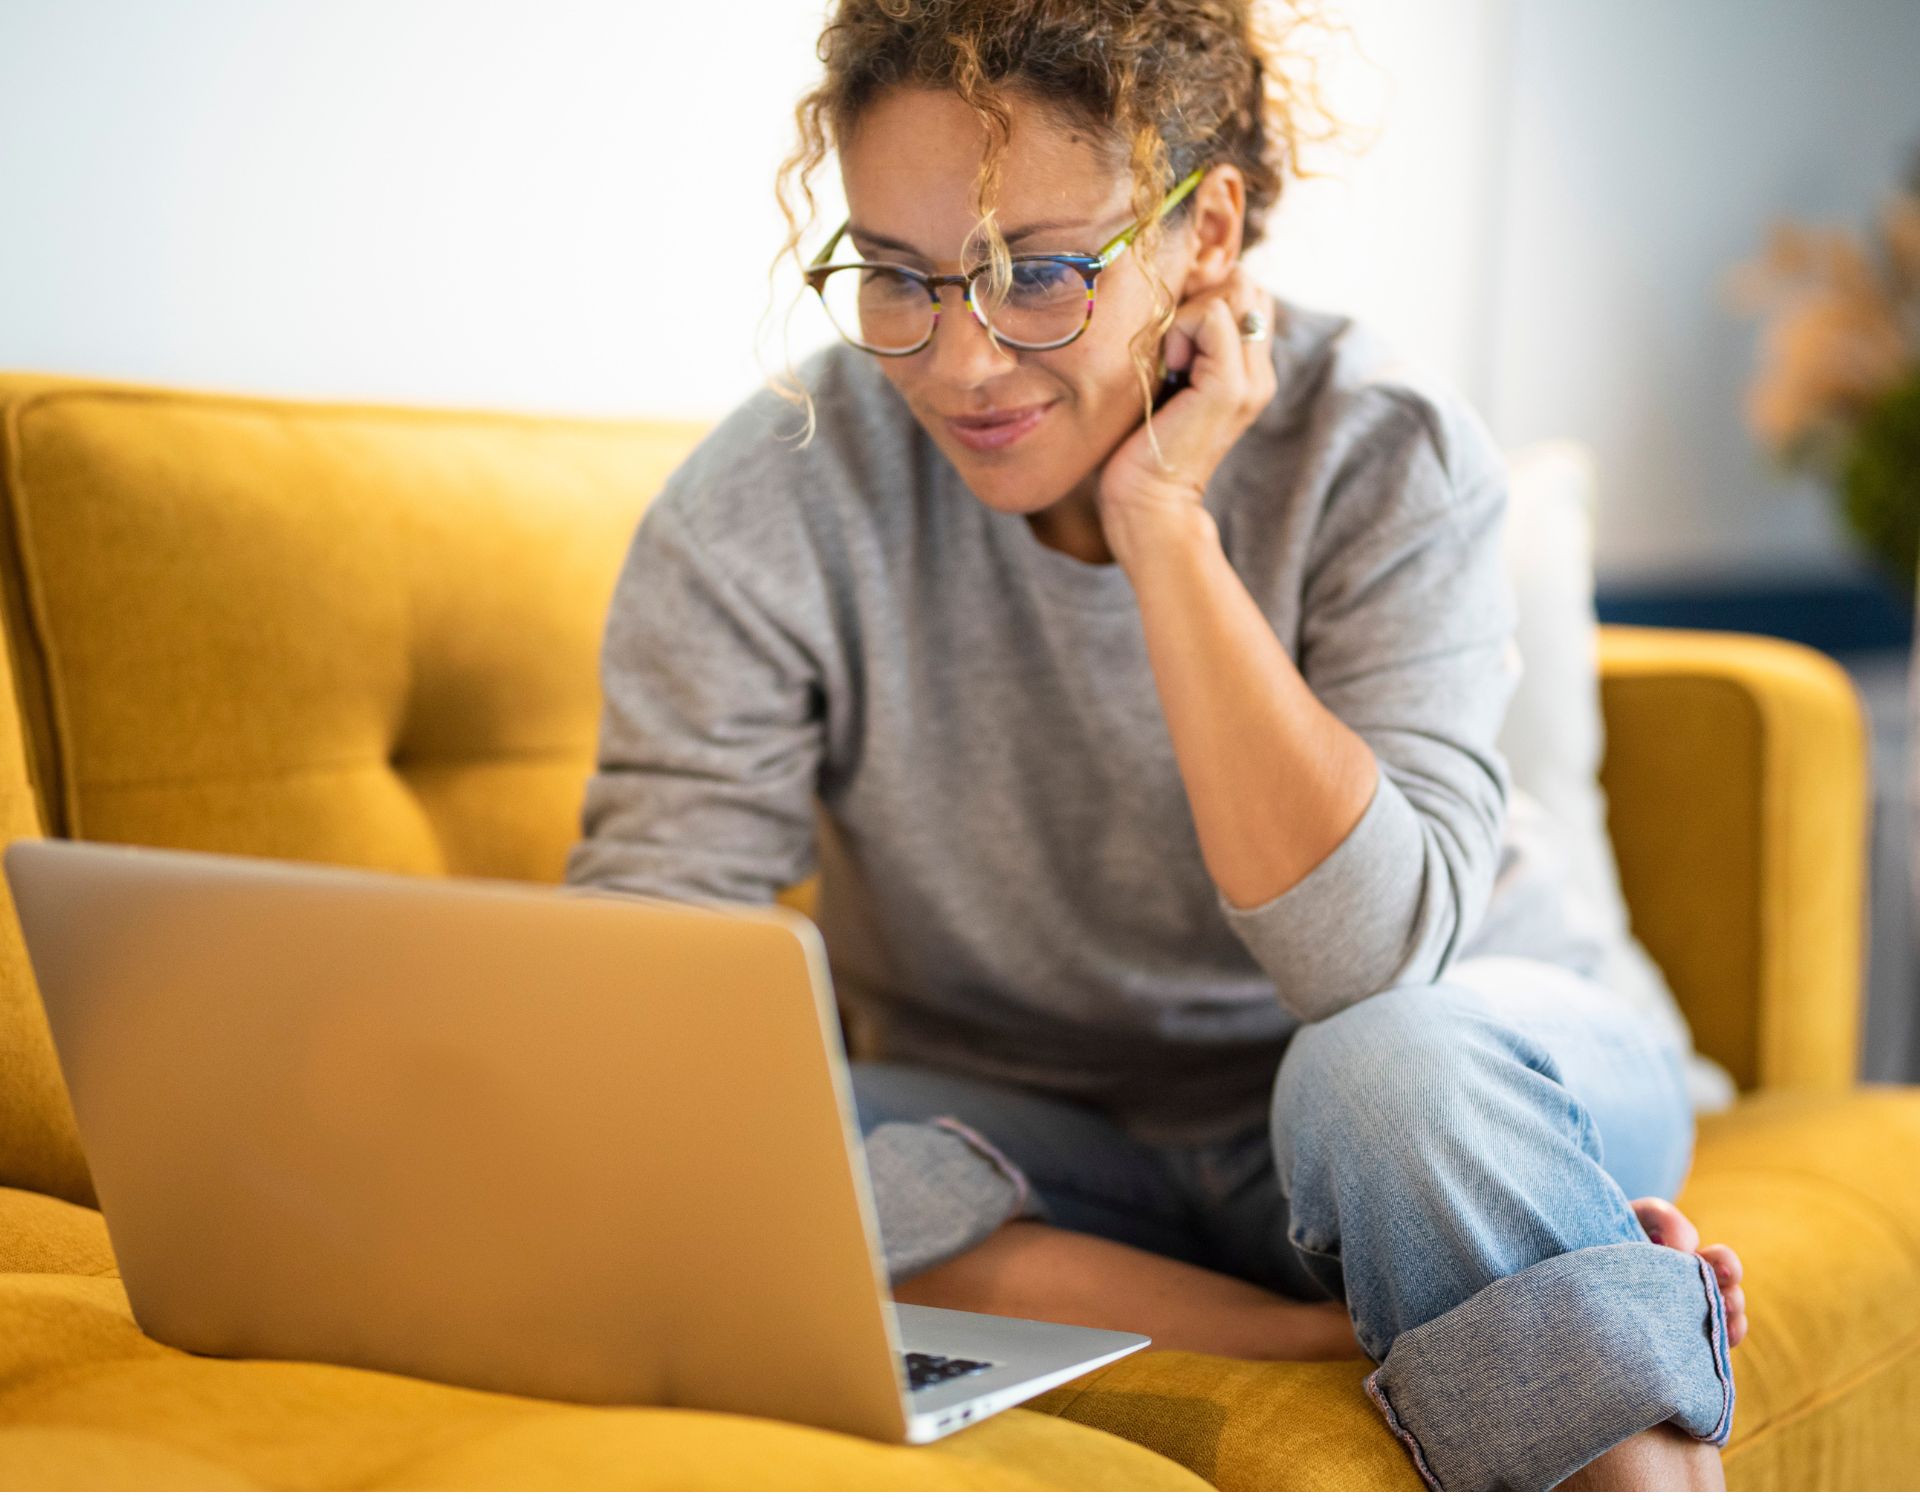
1823 361
1838 336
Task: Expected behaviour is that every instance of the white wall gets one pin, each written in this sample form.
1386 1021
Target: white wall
1649 144
493 202
458 201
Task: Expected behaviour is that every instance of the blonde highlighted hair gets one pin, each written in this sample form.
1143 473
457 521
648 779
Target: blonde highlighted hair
1166 85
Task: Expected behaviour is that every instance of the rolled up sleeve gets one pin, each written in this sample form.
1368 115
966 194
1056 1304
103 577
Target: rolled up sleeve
1406 635
711 733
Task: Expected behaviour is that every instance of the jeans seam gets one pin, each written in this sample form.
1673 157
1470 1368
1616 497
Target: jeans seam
1378 1395
1723 1428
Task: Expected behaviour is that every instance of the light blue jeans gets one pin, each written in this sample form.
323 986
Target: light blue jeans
1454 1160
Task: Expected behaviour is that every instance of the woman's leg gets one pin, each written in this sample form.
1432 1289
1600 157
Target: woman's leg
1004 1201
1029 1269
1456 1161
952 1158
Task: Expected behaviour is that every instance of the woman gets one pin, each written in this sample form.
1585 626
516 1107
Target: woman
1199 983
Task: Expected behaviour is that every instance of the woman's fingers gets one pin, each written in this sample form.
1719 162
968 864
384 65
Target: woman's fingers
1229 300
1178 349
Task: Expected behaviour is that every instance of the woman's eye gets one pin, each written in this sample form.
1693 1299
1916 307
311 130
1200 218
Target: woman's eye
1038 275
878 282
1046 284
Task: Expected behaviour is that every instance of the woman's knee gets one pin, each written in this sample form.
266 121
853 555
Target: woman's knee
1410 1064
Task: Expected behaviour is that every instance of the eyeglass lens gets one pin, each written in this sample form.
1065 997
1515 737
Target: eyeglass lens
890 312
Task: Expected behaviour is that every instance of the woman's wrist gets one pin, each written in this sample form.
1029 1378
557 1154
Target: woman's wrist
1138 538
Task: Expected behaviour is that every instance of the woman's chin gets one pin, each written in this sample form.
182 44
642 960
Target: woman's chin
1011 491
993 485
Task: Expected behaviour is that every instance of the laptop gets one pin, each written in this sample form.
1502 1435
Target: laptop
550 1140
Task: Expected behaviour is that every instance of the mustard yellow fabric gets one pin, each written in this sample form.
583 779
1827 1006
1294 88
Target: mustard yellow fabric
337 633
1815 1189
1736 773
42 1233
39 1143
369 636
86 1399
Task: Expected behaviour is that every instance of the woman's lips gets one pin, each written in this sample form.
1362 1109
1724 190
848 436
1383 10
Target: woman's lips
984 437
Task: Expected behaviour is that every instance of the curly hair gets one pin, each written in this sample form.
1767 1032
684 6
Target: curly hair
1166 85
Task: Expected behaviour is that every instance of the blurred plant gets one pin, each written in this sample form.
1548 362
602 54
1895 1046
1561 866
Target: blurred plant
1837 391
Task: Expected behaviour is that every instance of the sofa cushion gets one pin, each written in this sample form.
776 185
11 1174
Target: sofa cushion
1817 1194
87 1401
43 1233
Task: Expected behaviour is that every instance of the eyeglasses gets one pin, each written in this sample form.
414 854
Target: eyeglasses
893 310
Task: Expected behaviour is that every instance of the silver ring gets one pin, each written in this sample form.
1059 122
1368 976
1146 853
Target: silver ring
1253 326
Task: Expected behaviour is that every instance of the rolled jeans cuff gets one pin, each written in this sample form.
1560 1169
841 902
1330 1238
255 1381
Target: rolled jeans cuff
1533 1377
939 1188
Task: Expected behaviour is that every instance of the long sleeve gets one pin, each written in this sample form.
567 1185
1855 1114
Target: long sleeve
711 732
1406 636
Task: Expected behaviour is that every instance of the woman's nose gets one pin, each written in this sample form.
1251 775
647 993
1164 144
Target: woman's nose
962 352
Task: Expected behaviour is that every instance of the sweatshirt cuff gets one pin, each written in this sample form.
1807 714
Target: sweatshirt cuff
1343 932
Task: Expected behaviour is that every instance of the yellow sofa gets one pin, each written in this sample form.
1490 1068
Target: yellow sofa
369 636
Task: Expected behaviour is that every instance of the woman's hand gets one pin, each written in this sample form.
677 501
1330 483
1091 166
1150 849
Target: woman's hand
1232 380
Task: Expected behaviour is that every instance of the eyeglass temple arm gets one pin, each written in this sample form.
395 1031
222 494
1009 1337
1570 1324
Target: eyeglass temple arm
827 249
1167 206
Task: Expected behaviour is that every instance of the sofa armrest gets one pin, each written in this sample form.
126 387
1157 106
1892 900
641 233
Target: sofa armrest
1736 781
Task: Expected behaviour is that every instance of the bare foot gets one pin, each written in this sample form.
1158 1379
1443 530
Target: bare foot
1666 1225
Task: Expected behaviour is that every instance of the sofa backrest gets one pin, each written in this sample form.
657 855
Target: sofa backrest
38 1146
336 633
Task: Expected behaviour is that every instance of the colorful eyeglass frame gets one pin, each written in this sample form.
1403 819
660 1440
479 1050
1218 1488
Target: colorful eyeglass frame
1089 266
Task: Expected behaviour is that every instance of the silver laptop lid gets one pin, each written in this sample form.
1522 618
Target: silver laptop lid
541 1139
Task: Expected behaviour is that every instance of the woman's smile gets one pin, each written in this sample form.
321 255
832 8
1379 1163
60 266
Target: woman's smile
999 429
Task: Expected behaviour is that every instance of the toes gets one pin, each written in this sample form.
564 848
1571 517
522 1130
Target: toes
1736 1305
1665 1224
1726 1265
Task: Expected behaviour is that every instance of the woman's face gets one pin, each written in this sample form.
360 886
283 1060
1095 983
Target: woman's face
909 171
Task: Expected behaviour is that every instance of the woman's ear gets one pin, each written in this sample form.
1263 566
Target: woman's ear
1215 226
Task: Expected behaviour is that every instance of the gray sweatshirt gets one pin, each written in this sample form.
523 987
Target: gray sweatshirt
836 657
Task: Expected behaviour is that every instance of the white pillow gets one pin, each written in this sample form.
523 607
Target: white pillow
1553 737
